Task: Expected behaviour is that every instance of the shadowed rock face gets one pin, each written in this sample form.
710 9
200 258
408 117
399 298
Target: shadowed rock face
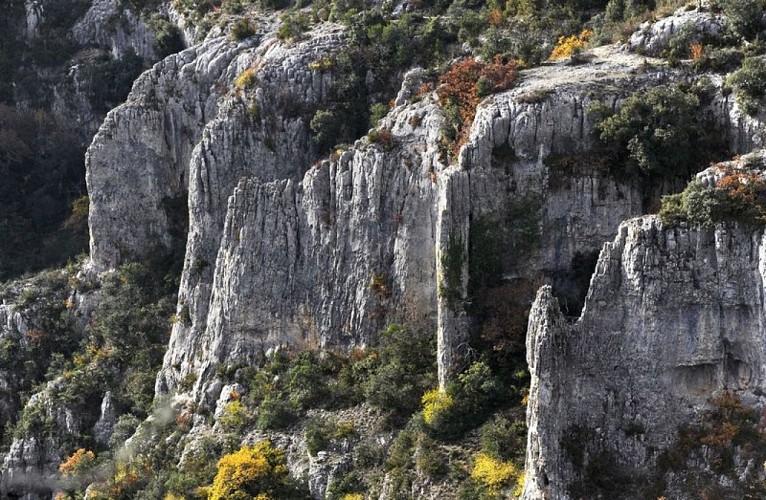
672 316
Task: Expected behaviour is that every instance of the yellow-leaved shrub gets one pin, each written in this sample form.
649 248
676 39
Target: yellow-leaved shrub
435 404
258 471
492 473
568 46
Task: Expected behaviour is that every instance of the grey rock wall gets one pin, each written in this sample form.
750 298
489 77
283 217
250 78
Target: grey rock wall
326 258
283 250
672 317
140 156
109 24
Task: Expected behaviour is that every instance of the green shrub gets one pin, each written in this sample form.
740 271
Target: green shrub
275 413
113 79
739 195
345 487
505 439
378 111
750 83
294 25
676 208
680 43
235 417
744 16
326 126
383 137
658 133
167 37
402 452
407 370
320 434
242 29
720 59
621 10
469 398
429 459
197 471
307 385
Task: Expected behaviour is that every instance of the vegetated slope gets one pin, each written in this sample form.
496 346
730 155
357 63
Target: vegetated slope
408 257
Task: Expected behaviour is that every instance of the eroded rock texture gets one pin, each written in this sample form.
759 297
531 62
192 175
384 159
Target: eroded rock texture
282 249
672 317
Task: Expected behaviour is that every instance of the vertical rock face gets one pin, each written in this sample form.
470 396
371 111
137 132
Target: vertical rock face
139 158
13 327
672 316
71 84
324 259
280 251
261 130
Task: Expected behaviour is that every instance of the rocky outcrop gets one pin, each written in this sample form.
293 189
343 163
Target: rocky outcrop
654 37
13 328
382 232
139 159
33 314
313 242
672 317
362 238
44 436
33 15
110 24
63 63
189 100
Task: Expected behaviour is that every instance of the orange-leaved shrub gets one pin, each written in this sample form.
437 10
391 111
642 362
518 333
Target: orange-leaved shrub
79 461
463 85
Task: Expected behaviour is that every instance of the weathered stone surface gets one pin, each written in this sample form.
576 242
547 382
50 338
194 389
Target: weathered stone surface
139 158
102 431
31 464
672 316
312 243
653 37
364 235
34 14
110 24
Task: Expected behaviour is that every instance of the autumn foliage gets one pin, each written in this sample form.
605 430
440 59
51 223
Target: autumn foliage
258 471
747 188
79 460
494 474
567 46
465 83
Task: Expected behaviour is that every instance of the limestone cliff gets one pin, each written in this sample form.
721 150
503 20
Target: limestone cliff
364 235
214 156
673 317
345 242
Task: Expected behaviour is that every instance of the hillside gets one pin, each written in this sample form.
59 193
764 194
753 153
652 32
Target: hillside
354 250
